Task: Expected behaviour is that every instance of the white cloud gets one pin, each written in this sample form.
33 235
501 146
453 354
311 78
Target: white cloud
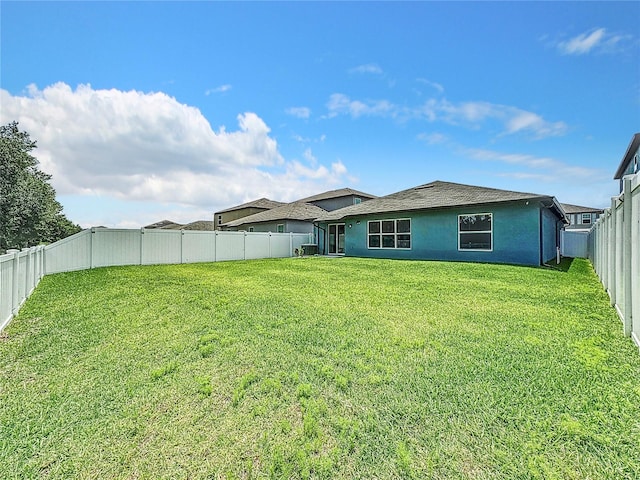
431 84
220 89
149 147
543 168
433 138
340 104
300 112
367 68
597 40
468 114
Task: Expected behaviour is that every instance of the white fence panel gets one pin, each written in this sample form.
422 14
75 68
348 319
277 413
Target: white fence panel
161 246
113 247
71 253
574 244
20 273
281 245
257 245
198 246
6 288
229 246
615 254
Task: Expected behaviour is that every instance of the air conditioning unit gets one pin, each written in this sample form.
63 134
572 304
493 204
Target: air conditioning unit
310 248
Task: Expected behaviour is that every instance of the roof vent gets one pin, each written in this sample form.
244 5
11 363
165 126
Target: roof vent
422 187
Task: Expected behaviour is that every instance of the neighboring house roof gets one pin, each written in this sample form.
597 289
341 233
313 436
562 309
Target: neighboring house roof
435 195
200 225
290 211
260 203
568 208
164 224
341 192
628 155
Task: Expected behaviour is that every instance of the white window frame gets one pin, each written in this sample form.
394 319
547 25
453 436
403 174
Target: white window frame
586 216
490 232
280 228
395 234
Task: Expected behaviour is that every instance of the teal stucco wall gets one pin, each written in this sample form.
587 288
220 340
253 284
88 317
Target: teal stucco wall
434 234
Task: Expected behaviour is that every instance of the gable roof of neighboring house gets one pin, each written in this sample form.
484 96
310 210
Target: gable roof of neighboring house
568 208
260 203
200 225
164 224
290 211
436 194
628 155
341 192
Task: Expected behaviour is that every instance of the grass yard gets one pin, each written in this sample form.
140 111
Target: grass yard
320 368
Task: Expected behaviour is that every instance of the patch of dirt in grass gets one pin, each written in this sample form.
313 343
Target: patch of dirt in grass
4 337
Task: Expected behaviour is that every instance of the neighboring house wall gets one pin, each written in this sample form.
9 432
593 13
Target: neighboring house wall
516 234
221 218
289 226
582 221
331 204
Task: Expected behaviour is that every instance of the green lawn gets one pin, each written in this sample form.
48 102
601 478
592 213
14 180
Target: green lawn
320 368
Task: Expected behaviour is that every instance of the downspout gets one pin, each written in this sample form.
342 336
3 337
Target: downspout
541 239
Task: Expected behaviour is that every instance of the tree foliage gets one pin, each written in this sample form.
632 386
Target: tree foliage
29 211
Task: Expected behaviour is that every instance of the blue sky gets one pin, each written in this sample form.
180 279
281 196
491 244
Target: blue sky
152 110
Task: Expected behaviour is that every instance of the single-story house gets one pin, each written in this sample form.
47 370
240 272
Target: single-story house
250 208
581 218
630 162
447 221
296 217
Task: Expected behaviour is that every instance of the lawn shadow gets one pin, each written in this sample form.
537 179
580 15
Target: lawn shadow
563 266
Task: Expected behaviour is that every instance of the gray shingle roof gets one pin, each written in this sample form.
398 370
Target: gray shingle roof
568 208
341 192
430 195
290 211
260 203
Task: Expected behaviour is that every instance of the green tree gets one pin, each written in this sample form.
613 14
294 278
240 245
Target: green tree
29 211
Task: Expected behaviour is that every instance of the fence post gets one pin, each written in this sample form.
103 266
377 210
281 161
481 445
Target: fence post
290 244
215 246
14 283
91 248
611 242
27 269
182 245
270 256
627 221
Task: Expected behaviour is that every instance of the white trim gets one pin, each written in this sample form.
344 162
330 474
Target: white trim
490 232
395 234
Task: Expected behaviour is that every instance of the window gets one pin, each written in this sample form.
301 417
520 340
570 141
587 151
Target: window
357 200
219 219
280 228
389 233
586 218
251 229
475 232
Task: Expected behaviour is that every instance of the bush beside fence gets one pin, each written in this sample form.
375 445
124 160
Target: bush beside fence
20 271
614 251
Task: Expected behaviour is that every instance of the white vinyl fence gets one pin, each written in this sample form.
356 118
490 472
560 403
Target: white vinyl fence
574 244
614 250
21 271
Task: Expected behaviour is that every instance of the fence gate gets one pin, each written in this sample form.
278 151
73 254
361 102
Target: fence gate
574 244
